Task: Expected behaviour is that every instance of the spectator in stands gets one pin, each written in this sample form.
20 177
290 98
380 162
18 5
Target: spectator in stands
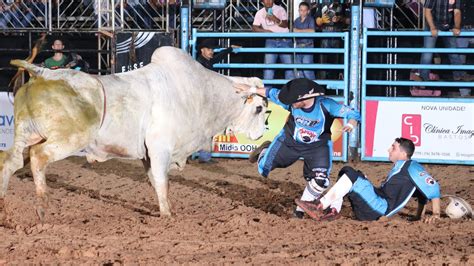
135 10
208 58
463 42
59 59
38 8
273 18
15 14
442 15
329 19
304 23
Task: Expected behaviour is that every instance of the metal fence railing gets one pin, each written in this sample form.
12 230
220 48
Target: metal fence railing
435 124
337 85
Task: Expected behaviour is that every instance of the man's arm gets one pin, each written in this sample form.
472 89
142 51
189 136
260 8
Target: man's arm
280 22
340 110
457 22
436 211
271 94
303 30
256 28
429 20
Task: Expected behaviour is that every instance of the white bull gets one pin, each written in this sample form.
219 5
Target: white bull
160 113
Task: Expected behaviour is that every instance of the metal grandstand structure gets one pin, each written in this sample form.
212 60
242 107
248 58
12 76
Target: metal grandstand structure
105 18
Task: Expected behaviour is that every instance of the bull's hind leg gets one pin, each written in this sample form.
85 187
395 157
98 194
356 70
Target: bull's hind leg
11 161
40 156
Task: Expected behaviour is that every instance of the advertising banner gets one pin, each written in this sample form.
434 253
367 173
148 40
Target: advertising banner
441 131
239 146
6 120
134 50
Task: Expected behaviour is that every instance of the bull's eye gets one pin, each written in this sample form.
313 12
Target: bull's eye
259 109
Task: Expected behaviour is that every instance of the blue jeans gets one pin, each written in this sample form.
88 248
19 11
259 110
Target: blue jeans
329 58
463 42
426 58
204 156
305 59
272 58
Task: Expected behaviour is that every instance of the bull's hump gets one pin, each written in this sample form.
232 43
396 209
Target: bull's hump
167 53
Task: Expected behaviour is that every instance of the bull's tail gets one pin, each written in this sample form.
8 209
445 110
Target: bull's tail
34 70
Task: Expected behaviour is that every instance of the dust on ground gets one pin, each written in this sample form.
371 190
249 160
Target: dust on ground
107 213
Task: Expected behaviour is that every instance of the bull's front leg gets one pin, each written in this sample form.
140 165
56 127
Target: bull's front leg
159 158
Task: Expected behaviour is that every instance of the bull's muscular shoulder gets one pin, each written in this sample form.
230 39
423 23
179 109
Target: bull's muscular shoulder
168 54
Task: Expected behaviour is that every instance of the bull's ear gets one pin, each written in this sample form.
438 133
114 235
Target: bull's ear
34 70
242 89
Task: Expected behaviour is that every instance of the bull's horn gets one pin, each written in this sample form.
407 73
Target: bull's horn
34 70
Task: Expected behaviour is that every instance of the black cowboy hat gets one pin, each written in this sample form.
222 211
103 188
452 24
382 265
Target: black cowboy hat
300 89
208 43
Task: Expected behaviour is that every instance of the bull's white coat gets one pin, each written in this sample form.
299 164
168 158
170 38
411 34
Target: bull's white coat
160 113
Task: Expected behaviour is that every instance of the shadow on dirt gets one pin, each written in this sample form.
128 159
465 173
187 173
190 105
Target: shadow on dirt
280 202
54 182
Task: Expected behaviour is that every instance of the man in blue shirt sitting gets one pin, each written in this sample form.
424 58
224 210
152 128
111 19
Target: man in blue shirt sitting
406 179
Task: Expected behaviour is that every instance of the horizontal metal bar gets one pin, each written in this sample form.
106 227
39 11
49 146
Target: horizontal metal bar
269 35
418 99
281 66
289 50
420 83
417 33
329 82
421 50
415 66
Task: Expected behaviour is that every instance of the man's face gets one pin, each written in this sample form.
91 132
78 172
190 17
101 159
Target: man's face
303 104
58 45
268 3
395 153
303 11
207 53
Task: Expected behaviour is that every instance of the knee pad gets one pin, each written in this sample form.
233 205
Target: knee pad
352 173
319 182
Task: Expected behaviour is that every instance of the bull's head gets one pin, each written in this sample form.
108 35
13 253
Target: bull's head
251 120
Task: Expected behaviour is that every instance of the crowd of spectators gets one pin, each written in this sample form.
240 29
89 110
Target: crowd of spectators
313 16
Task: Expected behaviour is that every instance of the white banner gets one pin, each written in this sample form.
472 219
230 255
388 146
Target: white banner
6 121
441 131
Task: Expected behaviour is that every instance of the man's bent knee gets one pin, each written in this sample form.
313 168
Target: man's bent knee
350 172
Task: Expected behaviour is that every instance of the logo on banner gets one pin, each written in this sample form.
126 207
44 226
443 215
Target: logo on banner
411 128
6 120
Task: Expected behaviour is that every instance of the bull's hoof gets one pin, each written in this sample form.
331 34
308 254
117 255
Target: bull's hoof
3 213
41 213
165 213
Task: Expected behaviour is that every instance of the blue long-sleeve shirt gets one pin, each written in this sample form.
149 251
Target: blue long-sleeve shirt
314 124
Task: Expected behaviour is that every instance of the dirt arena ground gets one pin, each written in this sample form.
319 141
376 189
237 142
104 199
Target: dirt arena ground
107 213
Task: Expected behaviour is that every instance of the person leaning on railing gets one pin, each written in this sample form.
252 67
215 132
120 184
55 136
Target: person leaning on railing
304 23
273 18
329 19
443 15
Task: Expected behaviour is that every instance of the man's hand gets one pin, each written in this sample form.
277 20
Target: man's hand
325 19
456 31
432 219
351 124
434 32
274 19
